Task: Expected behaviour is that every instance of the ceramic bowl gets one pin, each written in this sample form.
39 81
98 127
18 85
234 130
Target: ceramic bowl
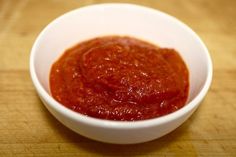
120 19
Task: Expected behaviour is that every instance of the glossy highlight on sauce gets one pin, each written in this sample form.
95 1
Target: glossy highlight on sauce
120 78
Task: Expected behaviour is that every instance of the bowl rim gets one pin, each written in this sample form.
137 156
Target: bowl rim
111 123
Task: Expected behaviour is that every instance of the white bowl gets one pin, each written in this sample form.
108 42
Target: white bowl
120 19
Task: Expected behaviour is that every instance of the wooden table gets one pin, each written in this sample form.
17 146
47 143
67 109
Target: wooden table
28 129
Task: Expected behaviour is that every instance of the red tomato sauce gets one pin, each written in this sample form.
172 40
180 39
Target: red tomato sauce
120 78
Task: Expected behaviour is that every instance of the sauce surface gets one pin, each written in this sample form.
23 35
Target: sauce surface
120 78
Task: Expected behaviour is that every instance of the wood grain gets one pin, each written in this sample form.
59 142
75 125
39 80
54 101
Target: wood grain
28 129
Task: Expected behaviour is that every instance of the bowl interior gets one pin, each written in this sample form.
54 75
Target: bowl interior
147 24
